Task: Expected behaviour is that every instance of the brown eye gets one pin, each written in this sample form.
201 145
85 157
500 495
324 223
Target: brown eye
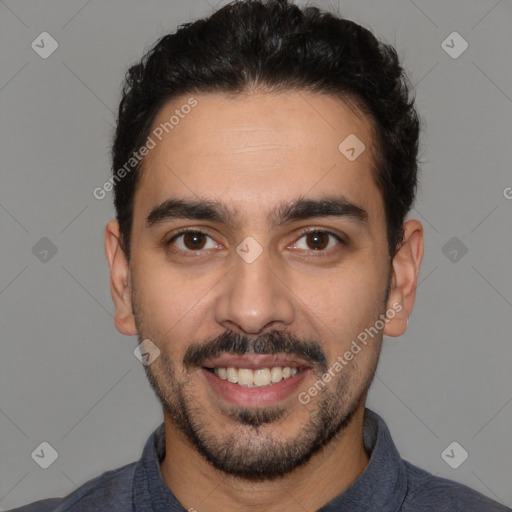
190 241
194 241
320 241
317 240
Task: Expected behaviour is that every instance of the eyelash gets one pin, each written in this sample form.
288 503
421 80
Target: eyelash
318 253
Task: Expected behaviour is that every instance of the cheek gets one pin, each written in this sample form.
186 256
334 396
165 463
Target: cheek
172 306
157 301
342 308
345 297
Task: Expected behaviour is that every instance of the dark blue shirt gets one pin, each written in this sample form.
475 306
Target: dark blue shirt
388 484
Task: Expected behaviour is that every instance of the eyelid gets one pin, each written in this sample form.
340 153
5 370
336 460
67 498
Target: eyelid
329 231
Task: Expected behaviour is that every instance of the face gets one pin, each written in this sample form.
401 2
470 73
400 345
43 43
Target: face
283 264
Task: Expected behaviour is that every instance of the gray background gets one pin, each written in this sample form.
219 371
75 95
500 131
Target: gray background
68 378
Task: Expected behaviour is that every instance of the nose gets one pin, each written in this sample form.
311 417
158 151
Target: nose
253 297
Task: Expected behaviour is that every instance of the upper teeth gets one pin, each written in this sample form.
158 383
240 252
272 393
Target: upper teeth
254 378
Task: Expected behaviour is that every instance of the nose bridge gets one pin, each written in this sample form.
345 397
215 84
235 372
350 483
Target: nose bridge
252 296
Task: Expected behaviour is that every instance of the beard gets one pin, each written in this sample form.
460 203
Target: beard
259 448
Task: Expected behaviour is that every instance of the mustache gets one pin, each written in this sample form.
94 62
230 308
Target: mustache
273 342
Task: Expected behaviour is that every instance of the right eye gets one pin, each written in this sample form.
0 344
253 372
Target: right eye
191 240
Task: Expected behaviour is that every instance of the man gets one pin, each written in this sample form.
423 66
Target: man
264 161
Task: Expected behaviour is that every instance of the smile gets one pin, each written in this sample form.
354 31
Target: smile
260 377
255 379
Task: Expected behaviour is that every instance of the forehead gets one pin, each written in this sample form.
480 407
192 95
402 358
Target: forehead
254 150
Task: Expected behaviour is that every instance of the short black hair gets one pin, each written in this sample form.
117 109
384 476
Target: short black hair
273 46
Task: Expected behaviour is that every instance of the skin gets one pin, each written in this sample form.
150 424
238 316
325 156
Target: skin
252 153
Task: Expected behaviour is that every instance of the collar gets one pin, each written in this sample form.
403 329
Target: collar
383 484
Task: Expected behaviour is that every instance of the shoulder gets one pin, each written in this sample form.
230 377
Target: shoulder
110 491
426 492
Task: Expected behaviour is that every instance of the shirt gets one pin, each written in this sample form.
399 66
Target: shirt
388 484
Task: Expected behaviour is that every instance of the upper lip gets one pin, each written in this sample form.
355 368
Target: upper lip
255 361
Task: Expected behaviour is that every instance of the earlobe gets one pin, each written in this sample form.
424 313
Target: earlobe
120 280
404 280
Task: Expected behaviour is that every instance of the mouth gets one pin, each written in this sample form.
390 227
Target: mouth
256 379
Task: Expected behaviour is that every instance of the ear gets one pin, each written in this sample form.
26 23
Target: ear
120 280
404 278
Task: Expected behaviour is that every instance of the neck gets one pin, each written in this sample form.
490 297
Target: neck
198 485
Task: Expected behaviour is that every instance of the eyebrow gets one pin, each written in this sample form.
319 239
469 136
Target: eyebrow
298 209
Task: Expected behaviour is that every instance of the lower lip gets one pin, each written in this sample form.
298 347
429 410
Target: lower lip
265 395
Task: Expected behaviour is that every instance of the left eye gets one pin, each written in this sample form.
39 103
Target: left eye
318 241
